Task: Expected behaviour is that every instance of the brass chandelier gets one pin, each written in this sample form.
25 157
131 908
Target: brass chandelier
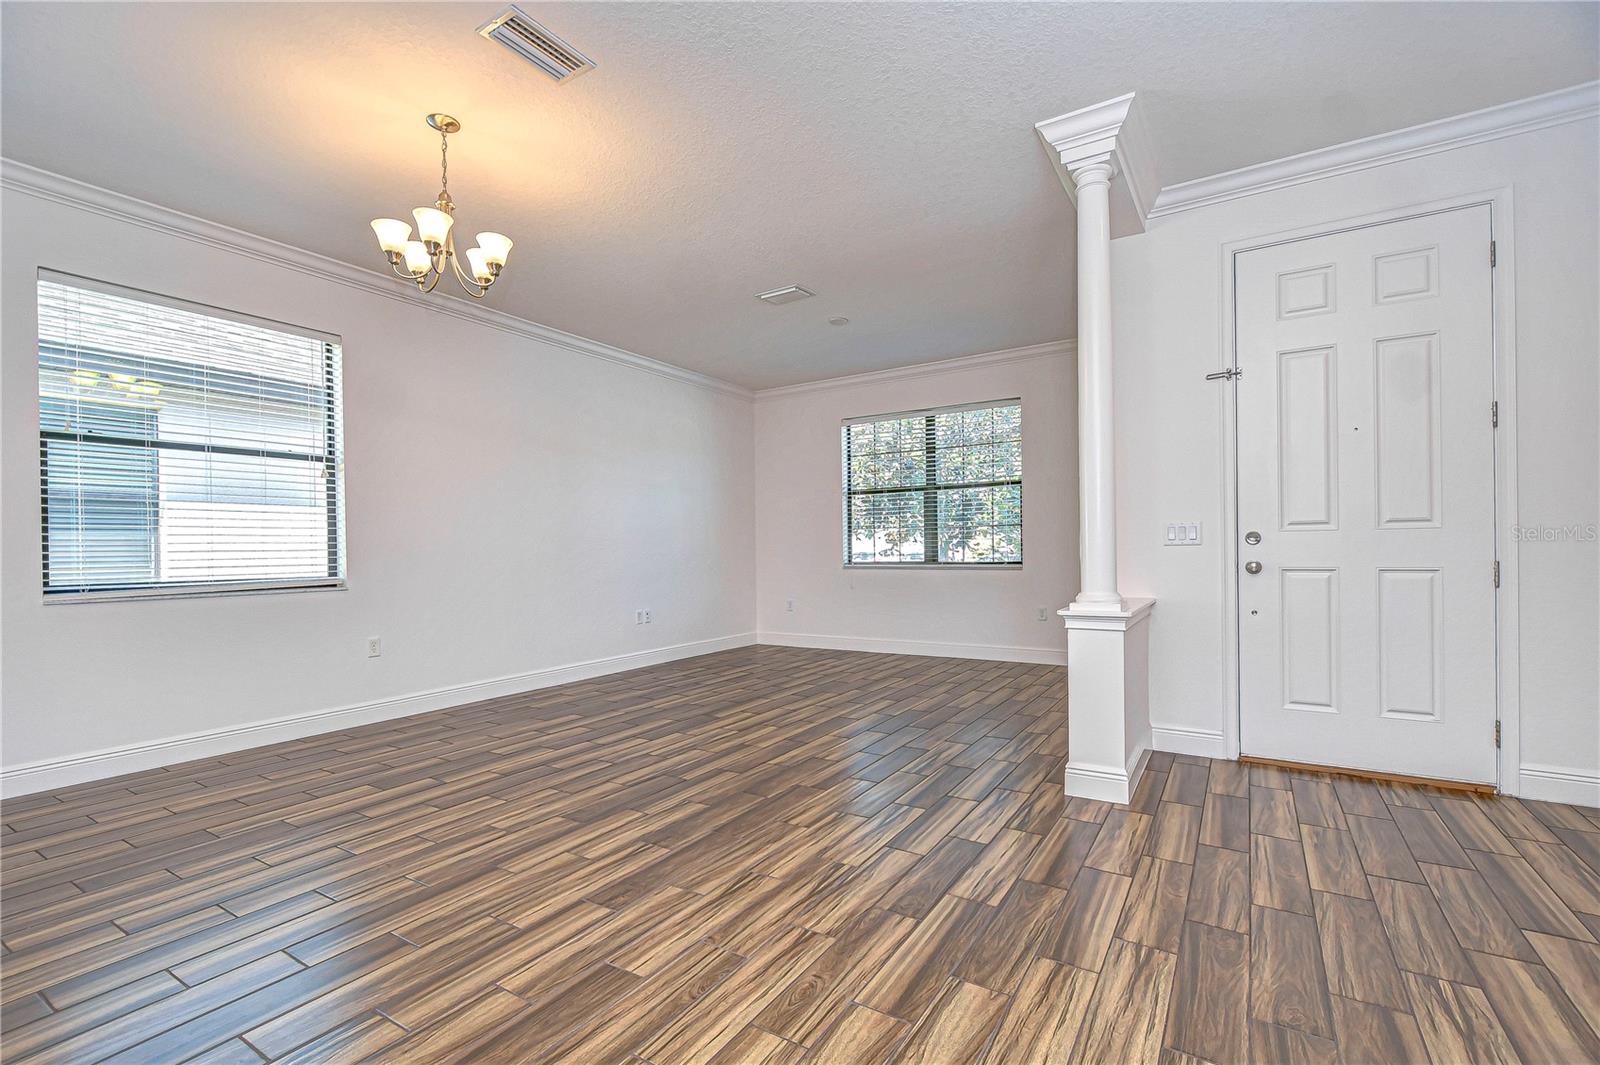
427 259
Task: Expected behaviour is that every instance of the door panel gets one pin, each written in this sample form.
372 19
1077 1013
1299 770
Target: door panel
1410 669
1308 452
1406 425
1366 464
1310 638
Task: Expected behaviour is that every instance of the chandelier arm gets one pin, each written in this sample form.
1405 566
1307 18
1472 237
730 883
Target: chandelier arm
473 289
431 285
469 284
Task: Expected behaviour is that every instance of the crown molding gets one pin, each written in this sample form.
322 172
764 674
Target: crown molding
1088 134
1055 349
1475 127
46 185
1108 131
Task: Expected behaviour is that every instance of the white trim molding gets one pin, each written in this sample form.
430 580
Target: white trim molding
1106 783
1055 349
53 773
45 185
1553 783
1110 131
1573 104
1044 656
1181 739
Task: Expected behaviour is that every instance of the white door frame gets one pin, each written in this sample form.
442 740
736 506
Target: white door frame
1508 710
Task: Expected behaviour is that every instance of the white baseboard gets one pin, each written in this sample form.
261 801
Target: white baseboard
97 765
1048 656
1180 739
1104 782
1553 783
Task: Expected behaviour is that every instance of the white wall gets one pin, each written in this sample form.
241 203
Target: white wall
658 476
971 612
1170 423
510 504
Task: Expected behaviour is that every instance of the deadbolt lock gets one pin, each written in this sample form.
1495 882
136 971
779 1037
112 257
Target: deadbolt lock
1252 538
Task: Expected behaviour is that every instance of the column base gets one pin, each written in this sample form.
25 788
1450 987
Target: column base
1097 605
1108 698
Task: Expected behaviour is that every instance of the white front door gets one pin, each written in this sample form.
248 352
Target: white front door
1366 469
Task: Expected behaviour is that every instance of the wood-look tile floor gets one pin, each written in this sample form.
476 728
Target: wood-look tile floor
784 855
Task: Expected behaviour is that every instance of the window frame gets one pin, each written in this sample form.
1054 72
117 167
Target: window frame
929 489
330 458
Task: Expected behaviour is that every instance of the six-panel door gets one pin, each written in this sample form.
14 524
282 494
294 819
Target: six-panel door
1366 466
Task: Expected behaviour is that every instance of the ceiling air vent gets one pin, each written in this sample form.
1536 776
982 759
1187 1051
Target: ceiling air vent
787 294
514 29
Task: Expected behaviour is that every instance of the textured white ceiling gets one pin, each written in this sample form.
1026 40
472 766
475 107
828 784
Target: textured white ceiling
882 155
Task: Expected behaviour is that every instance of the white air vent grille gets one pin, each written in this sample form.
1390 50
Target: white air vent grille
533 42
787 294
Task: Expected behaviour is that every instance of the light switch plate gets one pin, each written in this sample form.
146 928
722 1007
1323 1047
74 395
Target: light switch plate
1183 534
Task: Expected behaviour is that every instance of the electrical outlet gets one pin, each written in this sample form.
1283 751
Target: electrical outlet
647 616
638 617
1044 613
374 647
788 606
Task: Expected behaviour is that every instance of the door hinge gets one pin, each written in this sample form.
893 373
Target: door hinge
1225 375
1491 254
1494 414
1497 573
1497 734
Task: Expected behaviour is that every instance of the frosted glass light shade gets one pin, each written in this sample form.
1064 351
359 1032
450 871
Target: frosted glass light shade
433 225
496 246
392 234
417 260
476 258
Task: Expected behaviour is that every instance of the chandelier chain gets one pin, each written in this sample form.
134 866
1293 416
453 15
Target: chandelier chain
444 165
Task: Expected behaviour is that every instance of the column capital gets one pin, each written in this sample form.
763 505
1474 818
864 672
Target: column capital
1108 133
1101 168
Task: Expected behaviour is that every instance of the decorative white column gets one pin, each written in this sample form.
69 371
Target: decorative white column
1095 151
1097 497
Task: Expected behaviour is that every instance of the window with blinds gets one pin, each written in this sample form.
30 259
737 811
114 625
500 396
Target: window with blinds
183 449
934 487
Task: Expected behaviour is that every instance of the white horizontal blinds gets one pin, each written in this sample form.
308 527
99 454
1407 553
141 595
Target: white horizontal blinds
182 448
935 486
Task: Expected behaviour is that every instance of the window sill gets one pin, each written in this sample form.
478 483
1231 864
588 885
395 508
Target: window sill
194 591
1009 567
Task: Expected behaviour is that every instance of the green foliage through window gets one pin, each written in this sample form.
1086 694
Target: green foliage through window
934 487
